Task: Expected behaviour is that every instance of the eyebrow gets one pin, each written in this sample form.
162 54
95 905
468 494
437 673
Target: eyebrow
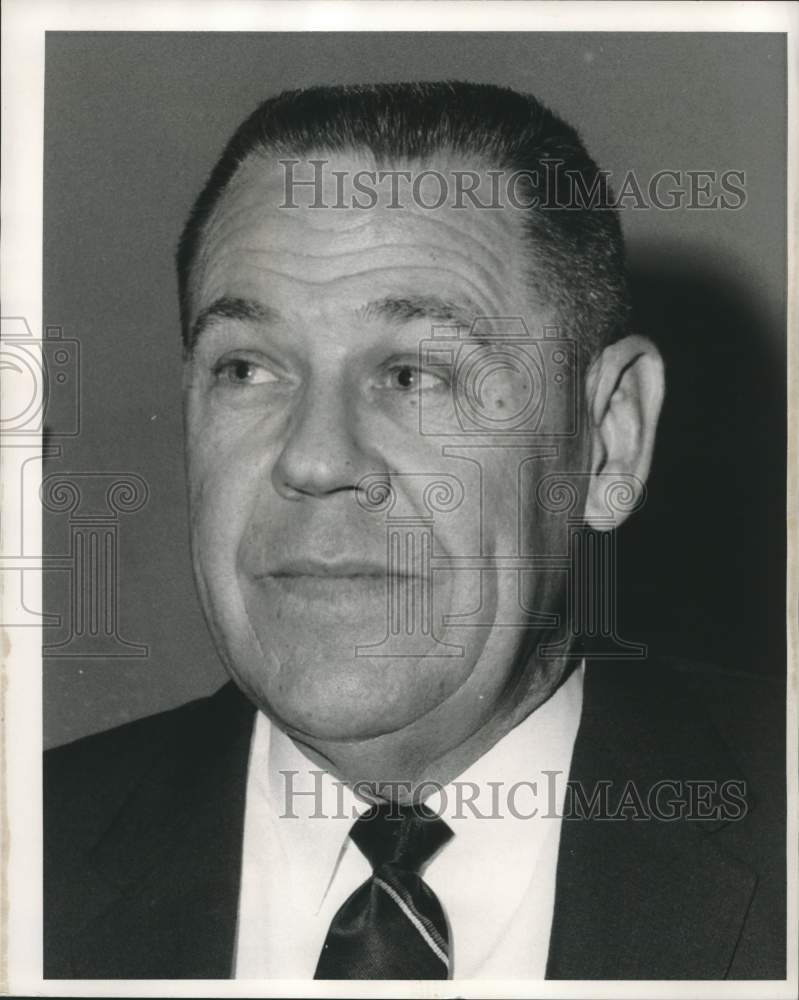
401 309
231 307
412 307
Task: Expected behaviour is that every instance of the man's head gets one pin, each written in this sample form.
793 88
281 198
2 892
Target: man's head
575 258
304 309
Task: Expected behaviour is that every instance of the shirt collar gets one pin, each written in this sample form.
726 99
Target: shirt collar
312 812
520 778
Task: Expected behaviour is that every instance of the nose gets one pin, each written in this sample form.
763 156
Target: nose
322 453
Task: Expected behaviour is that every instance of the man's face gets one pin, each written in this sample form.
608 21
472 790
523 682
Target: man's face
305 378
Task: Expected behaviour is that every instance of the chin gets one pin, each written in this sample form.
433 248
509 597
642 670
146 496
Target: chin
326 693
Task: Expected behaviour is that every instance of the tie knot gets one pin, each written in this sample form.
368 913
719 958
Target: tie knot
405 837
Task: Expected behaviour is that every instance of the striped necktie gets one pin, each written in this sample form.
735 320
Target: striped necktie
392 926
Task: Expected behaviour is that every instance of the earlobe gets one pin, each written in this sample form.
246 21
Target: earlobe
624 393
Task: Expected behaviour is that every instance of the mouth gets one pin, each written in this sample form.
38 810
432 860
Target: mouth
314 569
336 581
337 585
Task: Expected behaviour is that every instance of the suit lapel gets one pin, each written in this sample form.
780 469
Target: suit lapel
172 857
644 898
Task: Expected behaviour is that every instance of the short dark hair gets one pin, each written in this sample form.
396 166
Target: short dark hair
578 249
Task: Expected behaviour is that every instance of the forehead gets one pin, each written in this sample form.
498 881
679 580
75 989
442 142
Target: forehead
342 226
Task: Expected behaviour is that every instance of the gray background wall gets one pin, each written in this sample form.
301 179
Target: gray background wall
133 123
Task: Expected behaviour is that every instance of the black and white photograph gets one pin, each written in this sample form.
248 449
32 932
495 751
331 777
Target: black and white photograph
399 487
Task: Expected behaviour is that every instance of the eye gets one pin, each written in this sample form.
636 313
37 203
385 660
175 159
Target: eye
410 378
242 372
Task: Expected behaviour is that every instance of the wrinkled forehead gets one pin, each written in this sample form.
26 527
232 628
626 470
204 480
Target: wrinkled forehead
328 182
331 205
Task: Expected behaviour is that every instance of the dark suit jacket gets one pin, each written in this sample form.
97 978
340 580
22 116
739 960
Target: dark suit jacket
143 836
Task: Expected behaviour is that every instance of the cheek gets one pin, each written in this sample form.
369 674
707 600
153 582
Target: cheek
225 479
544 532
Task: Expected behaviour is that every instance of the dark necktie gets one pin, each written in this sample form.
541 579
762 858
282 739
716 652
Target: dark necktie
393 926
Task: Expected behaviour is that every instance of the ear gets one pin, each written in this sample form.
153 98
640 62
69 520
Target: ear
624 393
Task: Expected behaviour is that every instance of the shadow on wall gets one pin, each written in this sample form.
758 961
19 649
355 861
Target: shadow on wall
702 565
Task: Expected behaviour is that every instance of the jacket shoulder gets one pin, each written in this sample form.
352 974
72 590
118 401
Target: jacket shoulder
113 803
748 710
85 782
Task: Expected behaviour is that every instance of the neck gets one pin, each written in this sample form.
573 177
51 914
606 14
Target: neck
432 751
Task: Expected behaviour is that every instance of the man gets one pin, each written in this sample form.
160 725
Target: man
415 408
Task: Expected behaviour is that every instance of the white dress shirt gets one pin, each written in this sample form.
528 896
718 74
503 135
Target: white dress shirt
495 878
